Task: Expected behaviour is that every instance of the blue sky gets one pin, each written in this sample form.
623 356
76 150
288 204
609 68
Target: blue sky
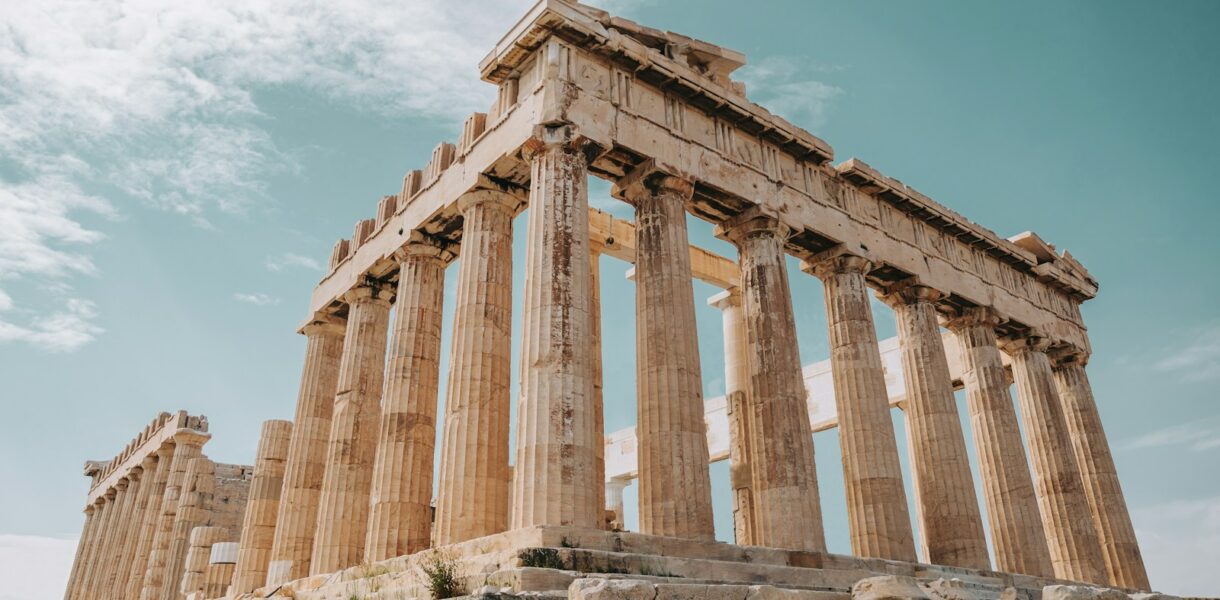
172 177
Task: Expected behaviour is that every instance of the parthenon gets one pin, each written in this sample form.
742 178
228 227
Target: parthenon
343 501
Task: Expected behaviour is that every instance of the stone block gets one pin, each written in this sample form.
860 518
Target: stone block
768 592
888 587
1080 592
611 589
948 589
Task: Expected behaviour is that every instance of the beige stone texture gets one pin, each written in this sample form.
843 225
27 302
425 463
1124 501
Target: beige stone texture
675 497
126 548
555 477
262 508
1071 539
194 571
149 524
599 409
888 587
82 547
107 512
951 525
297 520
1120 550
876 501
107 562
188 445
1017 537
343 506
194 510
1081 592
788 511
400 518
221 565
472 495
736 390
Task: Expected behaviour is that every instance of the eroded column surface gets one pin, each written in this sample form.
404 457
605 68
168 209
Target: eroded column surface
82 545
1120 550
736 393
555 481
400 521
297 520
472 498
188 445
343 506
675 489
788 511
599 409
876 500
262 507
952 527
152 518
194 509
1017 536
195 569
1071 538
135 533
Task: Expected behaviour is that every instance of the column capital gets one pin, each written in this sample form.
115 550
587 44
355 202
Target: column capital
1031 341
324 324
909 292
89 510
838 260
647 179
564 137
420 244
751 223
730 298
166 450
122 483
135 473
1068 356
369 291
148 461
973 316
491 198
191 437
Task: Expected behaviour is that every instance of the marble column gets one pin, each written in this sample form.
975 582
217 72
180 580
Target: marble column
737 405
1017 537
155 485
195 569
97 556
343 506
788 512
116 568
194 510
188 445
555 480
952 526
135 533
82 545
675 488
297 520
599 409
876 500
472 498
262 507
107 560
400 521
221 565
1071 538
1120 550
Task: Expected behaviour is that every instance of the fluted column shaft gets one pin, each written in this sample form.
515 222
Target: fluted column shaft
1072 540
149 524
1116 535
194 509
599 409
195 569
188 445
400 521
472 499
135 533
1017 536
555 481
262 507
82 545
343 507
737 405
675 489
108 515
116 566
297 520
221 565
876 500
108 560
952 526
788 512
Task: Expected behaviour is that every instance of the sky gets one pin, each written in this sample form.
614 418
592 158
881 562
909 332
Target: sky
173 175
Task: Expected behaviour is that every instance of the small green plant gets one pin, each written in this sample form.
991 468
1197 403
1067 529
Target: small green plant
441 569
566 543
542 558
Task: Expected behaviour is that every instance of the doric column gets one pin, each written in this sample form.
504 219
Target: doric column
400 520
788 512
599 409
472 498
221 564
876 500
343 506
951 525
188 445
1071 538
614 501
107 559
675 489
195 569
1012 509
116 571
82 545
194 509
99 550
135 532
297 520
555 481
154 485
1120 550
262 507
737 405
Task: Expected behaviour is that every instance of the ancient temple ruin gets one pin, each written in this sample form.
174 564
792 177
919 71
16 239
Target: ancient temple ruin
340 502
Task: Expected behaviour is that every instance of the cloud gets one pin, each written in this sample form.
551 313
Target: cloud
64 330
1198 359
257 299
35 567
1197 435
785 85
288 259
1180 543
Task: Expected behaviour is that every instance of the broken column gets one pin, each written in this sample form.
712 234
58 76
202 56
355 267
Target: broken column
194 571
258 525
737 406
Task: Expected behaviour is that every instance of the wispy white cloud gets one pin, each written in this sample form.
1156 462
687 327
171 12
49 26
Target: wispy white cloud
1180 543
1198 436
257 299
289 259
34 567
791 88
1197 358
